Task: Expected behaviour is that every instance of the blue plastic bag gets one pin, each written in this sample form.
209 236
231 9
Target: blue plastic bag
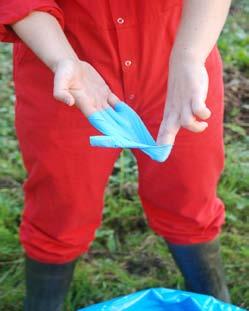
161 299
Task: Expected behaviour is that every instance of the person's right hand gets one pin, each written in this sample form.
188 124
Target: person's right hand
77 82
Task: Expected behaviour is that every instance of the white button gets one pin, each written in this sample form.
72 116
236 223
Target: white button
128 63
132 96
120 20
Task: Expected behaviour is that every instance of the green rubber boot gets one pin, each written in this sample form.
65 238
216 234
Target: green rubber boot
46 285
202 268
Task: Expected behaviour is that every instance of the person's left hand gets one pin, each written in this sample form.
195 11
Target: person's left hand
185 102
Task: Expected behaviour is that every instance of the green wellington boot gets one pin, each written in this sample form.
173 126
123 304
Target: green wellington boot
46 285
202 268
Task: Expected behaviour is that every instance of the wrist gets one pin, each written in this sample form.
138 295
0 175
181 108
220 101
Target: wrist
53 64
184 54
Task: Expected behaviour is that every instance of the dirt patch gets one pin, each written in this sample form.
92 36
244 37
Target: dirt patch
9 183
144 263
236 97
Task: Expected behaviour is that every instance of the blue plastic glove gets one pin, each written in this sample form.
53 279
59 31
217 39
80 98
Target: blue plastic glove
123 128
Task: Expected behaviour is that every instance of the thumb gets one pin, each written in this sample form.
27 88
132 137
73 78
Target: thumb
61 87
64 96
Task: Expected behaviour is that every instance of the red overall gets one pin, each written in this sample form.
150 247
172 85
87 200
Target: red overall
129 43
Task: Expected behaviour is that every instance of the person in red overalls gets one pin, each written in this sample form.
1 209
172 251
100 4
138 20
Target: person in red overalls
159 57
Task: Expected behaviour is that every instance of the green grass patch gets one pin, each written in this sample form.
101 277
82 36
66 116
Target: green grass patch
234 42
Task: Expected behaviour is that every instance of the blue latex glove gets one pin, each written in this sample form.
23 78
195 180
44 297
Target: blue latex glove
123 128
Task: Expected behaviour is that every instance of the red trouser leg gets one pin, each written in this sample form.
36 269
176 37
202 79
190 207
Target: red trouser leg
179 195
63 192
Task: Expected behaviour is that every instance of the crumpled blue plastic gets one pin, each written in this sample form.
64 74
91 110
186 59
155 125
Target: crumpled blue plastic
123 128
162 299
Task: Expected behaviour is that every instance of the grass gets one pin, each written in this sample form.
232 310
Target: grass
234 42
126 255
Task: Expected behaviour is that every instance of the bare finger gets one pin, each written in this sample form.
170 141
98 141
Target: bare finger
200 109
168 130
112 99
189 122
